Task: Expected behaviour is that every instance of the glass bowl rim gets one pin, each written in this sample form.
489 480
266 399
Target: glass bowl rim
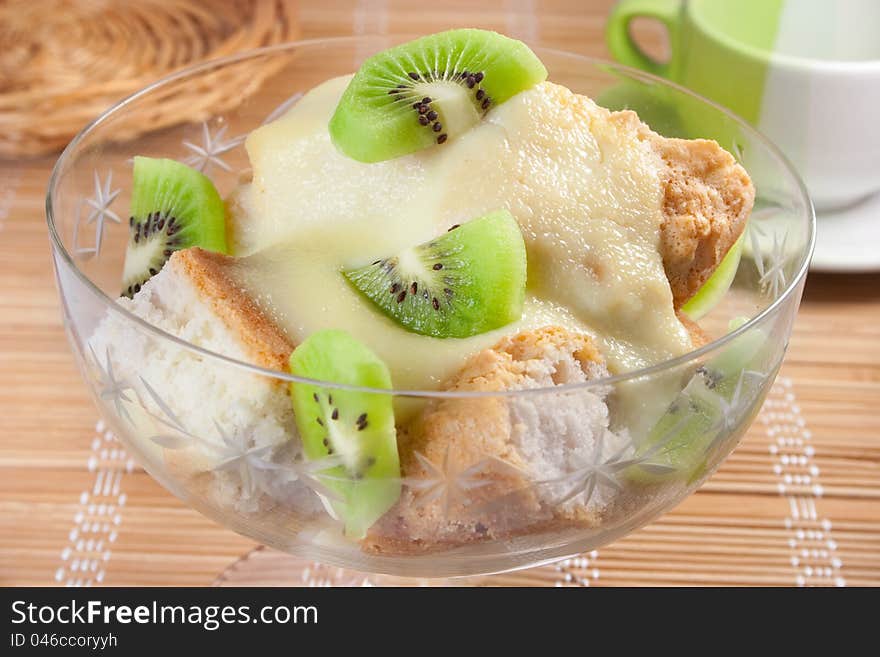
594 62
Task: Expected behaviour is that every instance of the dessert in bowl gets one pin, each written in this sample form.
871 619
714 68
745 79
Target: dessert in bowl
443 315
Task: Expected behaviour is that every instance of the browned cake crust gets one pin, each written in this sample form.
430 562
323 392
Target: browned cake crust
210 274
707 198
261 339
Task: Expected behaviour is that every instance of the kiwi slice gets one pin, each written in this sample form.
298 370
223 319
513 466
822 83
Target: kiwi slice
470 280
172 207
357 427
680 440
429 91
708 296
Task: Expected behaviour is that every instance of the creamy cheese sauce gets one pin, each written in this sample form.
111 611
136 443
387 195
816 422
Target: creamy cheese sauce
586 193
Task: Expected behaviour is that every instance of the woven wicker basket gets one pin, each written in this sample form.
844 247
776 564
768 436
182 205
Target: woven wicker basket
64 61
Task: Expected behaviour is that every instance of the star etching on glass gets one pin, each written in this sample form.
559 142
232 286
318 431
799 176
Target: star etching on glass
174 434
771 265
258 470
314 475
255 465
730 412
606 471
100 214
111 388
211 150
774 278
250 463
258 467
448 483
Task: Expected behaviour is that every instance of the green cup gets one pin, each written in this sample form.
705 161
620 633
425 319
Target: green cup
804 72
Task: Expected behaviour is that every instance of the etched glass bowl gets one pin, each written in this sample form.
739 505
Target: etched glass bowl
256 484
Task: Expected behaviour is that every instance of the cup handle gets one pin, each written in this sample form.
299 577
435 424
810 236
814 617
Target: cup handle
627 51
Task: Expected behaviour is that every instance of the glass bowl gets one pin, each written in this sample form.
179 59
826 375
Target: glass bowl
669 425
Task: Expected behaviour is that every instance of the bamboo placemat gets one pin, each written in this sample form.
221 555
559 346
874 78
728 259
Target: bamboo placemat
797 503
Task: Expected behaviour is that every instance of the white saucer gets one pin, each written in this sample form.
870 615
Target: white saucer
848 240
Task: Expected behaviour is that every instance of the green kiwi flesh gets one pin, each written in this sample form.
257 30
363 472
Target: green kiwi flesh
173 207
428 91
679 444
468 281
357 427
714 289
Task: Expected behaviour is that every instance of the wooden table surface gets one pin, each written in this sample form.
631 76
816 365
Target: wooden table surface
72 507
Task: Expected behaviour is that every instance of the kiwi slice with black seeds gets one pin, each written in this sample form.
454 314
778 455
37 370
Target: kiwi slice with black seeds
173 207
680 442
355 427
429 91
468 281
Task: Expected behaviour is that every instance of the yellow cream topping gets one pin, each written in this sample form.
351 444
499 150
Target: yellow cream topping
585 191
